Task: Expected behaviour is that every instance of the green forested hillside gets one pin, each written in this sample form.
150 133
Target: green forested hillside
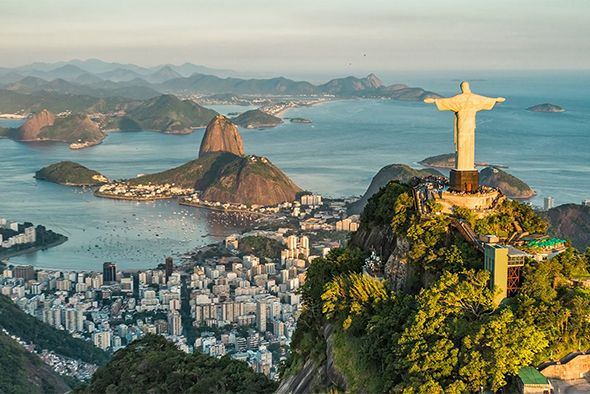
73 129
164 113
22 372
154 365
441 332
256 118
70 173
11 102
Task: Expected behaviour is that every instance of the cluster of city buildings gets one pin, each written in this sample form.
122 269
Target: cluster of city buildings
277 108
194 200
242 305
61 364
315 214
549 202
128 191
13 233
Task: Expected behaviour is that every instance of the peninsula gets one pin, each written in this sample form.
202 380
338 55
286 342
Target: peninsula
23 238
510 185
220 174
77 130
447 160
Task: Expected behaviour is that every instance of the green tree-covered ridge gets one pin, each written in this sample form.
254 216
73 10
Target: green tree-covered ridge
71 174
442 332
22 372
154 365
256 118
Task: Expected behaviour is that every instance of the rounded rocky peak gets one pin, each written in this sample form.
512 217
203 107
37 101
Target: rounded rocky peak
31 128
221 135
374 80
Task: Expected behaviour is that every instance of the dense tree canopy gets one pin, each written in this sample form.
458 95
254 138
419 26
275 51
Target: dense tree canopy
444 333
154 365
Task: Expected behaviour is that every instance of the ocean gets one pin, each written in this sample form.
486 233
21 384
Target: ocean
336 155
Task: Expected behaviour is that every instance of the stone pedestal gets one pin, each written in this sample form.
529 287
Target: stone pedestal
464 181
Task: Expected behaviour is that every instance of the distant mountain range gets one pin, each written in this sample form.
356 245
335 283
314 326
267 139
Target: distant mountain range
96 78
97 66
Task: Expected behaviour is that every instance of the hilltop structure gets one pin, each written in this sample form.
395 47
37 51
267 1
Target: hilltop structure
463 188
464 177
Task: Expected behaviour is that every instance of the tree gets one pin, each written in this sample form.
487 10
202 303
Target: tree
308 340
457 341
154 365
549 301
350 295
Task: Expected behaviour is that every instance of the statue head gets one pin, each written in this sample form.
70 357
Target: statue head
465 87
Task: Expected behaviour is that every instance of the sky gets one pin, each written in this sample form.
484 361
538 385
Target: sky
302 36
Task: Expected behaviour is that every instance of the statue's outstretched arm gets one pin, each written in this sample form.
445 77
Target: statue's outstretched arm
430 100
500 99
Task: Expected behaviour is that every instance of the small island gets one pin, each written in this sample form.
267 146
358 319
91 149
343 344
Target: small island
546 108
299 120
68 173
256 119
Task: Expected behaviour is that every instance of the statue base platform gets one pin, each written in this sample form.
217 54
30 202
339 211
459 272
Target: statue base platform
482 201
464 181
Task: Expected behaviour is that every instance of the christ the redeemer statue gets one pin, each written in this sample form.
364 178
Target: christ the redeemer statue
464 177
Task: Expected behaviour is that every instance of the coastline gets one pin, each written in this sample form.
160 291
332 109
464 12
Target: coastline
130 198
318 102
12 116
221 209
84 145
73 146
33 249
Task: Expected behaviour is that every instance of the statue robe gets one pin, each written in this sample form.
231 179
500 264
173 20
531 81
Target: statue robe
465 106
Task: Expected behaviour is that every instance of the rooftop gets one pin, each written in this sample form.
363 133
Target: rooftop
529 375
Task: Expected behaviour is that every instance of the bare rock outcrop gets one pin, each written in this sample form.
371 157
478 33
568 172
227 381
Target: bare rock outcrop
316 377
32 127
221 135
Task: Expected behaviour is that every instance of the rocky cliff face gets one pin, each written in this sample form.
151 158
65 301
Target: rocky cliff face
221 135
571 221
251 180
398 172
74 129
316 376
32 127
